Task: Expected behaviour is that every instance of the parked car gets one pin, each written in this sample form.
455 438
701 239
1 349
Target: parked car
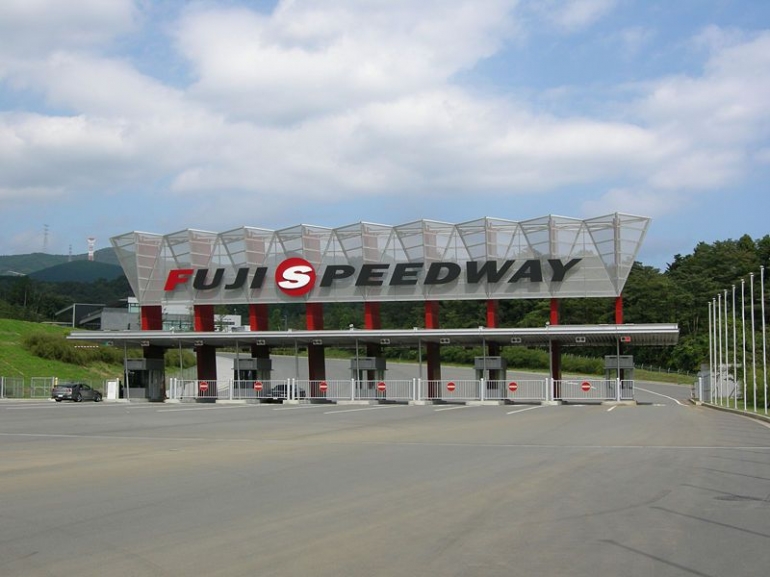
75 392
281 392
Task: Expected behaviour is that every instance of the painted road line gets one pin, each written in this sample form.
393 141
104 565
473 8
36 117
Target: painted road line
360 409
661 395
522 410
453 408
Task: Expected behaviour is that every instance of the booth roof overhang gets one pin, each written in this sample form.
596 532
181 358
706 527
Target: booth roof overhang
567 335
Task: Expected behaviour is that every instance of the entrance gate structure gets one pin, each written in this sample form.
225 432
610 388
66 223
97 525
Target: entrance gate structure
488 259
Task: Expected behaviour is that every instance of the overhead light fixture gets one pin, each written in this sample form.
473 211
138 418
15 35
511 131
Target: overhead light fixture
444 341
261 342
516 340
384 341
580 339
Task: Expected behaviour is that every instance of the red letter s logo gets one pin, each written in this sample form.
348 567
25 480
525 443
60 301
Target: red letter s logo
295 277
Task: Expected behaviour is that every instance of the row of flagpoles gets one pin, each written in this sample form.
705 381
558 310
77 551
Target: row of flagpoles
733 362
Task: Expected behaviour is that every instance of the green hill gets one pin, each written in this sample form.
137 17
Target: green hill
21 264
16 361
78 271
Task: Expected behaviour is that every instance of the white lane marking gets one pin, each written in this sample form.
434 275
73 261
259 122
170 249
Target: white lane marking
522 410
661 395
228 407
453 408
300 407
357 410
612 408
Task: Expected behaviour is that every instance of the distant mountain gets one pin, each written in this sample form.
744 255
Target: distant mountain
78 271
26 264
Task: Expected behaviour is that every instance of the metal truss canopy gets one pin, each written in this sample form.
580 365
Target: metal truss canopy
510 260
567 335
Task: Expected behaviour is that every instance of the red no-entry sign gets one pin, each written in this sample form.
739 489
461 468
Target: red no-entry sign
204 386
586 386
513 386
257 386
450 386
381 386
323 387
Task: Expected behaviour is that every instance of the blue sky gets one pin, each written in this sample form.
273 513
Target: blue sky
157 116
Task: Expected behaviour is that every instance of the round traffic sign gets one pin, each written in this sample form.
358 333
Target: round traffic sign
586 386
257 386
204 386
323 387
381 386
513 386
450 386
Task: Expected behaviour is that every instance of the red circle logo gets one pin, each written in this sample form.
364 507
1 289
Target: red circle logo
295 277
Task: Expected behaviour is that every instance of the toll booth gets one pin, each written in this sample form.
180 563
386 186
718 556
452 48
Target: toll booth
367 372
249 369
619 367
145 380
492 370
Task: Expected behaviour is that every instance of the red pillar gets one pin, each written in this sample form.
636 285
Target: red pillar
314 318
372 322
203 318
259 321
619 310
555 351
432 350
493 349
151 317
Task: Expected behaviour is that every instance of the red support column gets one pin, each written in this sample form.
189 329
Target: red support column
432 350
619 310
203 318
316 365
151 317
493 349
372 322
259 321
555 351
492 309
152 320
372 315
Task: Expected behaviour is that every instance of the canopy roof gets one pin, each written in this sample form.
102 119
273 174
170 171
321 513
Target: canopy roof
567 335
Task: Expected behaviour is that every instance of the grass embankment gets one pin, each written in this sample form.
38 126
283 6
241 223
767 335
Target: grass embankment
17 362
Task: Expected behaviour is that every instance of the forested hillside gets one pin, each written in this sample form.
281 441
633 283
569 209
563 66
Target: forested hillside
680 294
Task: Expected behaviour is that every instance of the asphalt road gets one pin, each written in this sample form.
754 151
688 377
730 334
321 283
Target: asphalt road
663 489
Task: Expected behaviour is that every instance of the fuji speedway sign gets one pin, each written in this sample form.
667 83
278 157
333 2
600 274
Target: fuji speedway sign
296 277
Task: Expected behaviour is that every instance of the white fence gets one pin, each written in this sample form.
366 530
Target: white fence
510 391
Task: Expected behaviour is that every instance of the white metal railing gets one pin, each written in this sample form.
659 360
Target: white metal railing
531 390
589 390
517 390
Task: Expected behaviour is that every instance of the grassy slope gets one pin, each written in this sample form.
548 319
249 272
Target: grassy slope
15 361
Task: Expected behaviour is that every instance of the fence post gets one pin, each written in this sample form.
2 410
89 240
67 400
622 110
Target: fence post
352 389
617 388
482 388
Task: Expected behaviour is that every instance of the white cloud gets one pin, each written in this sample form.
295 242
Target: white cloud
339 101
311 58
33 27
573 15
